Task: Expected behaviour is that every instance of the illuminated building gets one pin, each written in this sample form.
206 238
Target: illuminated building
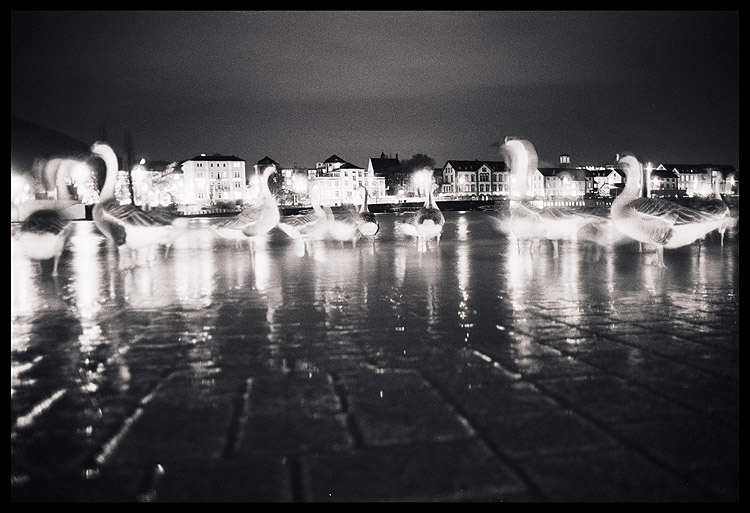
696 179
212 179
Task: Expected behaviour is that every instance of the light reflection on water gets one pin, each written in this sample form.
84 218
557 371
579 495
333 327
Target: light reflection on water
98 337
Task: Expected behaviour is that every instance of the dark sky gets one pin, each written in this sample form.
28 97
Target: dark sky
299 86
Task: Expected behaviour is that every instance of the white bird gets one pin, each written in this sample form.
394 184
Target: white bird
526 222
368 224
128 226
43 233
717 206
254 222
662 223
342 227
306 227
232 230
428 222
264 216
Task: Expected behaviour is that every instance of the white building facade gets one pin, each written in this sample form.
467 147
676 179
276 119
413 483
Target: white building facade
212 179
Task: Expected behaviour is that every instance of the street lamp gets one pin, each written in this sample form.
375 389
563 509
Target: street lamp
423 180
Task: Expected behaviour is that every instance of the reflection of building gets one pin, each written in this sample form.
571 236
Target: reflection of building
215 178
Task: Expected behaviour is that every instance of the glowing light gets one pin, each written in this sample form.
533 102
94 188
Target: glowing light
462 228
461 183
20 189
86 281
422 180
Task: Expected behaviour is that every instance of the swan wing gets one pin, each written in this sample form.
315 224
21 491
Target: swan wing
235 223
675 213
250 214
646 221
44 221
131 215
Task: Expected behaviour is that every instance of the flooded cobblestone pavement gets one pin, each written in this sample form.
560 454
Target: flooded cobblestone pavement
468 371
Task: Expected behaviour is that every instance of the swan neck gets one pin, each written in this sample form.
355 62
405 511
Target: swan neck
107 154
520 172
633 187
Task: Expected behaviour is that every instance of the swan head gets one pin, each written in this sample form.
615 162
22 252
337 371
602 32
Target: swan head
105 152
632 168
103 149
267 172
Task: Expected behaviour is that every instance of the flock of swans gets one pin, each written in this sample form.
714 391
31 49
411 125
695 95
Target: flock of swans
653 222
650 221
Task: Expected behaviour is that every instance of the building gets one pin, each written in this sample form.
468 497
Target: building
698 179
339 182
294 186
212 179
388 176
664 183
565 182
461 177
603 181
493 179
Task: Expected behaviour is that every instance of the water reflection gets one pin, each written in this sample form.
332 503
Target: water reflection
95 341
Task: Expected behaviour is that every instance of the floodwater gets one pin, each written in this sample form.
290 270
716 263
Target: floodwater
89 345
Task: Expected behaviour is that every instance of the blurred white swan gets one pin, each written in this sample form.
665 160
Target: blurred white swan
308 227
44 232
428 222
528 223
661 223
715 205
128 226
342 227
255 221
368 224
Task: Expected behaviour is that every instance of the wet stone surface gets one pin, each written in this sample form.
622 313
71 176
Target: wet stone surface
464 371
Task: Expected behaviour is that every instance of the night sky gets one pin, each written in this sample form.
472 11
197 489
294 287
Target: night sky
299 86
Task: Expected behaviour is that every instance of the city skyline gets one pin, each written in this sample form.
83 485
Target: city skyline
299 86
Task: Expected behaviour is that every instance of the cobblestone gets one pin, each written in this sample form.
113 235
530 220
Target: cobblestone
551 400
